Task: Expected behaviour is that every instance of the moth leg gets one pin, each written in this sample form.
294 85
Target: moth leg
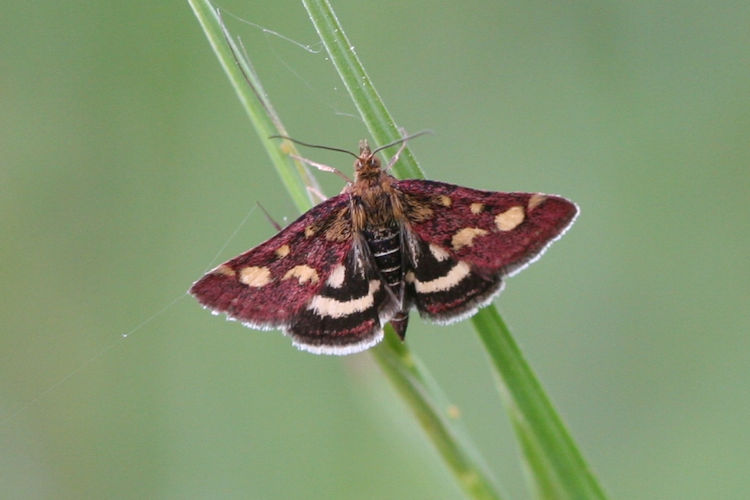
275 224
322 167
401 148
316 192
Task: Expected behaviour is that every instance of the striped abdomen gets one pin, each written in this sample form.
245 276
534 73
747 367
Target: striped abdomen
385 247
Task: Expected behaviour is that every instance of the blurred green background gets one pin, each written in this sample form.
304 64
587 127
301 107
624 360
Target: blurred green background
126 164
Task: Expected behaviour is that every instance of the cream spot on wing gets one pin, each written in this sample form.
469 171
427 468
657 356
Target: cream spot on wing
326 306
535 201
445 200
336 279
476 208
465 237
282 251
309 231
454 276
255 276
303 274
440 254
409 277
224 270
505 221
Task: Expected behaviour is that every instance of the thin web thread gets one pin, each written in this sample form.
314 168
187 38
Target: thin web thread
123 336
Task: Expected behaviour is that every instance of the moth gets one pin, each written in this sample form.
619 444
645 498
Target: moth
334 277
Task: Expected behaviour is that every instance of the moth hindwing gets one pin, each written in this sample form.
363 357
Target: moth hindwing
335 276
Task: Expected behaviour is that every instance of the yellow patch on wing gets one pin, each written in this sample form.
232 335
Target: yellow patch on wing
535 201
326 306
465 237
439 253
454 276
445 200
303 273
224 270
255 276
505 221
336 279
476 208
282 251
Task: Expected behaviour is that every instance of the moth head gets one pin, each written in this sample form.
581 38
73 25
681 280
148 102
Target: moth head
367 164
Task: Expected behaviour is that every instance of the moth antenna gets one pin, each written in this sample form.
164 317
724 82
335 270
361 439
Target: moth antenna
317 146
275 224
403 139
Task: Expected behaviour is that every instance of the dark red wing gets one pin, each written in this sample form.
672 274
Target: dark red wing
494 232
267 286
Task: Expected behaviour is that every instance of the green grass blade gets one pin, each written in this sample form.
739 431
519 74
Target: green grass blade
370 106
433 412
557 466
551 454
403 370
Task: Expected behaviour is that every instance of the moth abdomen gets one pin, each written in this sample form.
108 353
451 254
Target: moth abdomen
385 247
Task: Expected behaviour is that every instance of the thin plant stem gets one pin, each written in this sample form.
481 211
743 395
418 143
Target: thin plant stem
402 368
557 467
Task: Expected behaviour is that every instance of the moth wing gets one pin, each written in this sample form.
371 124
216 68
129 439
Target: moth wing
443 288
269 284
347 313
464 241
311 280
